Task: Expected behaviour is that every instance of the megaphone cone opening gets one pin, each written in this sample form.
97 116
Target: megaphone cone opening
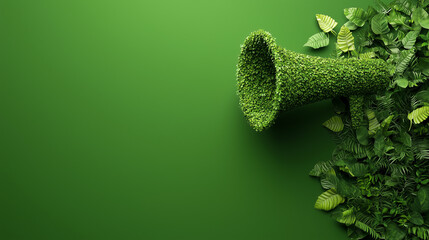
256 78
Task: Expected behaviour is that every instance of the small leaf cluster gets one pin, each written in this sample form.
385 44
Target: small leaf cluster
377 181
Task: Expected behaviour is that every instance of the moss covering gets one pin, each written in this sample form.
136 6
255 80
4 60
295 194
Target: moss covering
271 78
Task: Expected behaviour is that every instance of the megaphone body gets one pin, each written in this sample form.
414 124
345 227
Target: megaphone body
271 78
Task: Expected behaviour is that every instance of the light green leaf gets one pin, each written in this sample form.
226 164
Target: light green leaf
356 15
419 115
425 23
410 39
367 55
318 40
379 24
326 23
328 200
396 18
347 217
345 40
334 124
419 15
402 82
350 25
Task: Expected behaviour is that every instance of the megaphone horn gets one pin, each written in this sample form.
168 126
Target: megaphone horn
271 78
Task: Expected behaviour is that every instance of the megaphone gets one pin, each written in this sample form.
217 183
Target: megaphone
271 78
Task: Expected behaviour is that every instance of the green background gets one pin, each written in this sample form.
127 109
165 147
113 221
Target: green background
119 120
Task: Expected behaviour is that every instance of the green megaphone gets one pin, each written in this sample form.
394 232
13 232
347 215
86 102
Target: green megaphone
271 78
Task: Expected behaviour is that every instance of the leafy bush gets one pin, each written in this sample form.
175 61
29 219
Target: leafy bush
379 171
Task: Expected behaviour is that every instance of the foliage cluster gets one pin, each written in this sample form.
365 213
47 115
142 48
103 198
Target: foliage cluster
377 182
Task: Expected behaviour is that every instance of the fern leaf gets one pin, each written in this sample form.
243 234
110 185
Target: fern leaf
404 60
345 40
328 200
326 23
419 115
334 124
362 226
318 40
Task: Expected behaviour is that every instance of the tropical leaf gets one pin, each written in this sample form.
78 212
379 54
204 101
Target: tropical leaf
328 200
334 124
410 39
379 24
374 125
320 168
357 16
318 40
419 15
402 82
404 60
345 40
419 115
364 227
326 23
347 217
394 232
367 55
396 19
425 23
350 25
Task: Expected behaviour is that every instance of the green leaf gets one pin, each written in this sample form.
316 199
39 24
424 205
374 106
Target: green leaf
402 82
347 217
419 15
425 23
367 55
334 124
405 138
362 135
374 125
328 200
416 218
419 115
356 15
364 227
345 40
404 60
410 39
326 23
318 40
423 96
379 24
396 19
394 232
423 198
350 25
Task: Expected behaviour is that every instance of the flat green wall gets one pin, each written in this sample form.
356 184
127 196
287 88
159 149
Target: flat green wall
119 120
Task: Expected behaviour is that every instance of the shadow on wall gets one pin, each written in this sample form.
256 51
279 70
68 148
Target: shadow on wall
298 136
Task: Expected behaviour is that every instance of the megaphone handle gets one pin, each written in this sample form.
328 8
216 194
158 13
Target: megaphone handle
356 109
